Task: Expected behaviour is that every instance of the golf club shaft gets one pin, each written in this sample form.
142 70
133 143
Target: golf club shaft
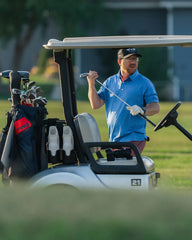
113 93
141 115
144 117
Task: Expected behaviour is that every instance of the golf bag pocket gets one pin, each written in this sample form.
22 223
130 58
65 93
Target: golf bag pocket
24 158
21 125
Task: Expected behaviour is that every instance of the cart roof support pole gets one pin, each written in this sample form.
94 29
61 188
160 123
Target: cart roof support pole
69 102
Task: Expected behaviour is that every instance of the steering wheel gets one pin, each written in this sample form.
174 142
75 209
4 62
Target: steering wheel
169 119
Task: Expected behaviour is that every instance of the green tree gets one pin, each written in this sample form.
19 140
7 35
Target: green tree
154 65
19 19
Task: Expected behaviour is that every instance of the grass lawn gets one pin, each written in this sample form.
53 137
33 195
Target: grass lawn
58 213
168 147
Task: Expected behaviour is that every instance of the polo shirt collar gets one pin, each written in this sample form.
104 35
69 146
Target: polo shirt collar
132 77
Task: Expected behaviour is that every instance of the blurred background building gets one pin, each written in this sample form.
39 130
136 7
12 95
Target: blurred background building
169 69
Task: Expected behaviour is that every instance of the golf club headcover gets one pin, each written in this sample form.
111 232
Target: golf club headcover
135 109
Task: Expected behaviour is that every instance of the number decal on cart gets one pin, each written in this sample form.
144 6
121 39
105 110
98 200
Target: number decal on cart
136 182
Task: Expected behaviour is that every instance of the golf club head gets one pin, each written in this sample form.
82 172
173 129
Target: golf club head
23 74
5 73
30 84
37 89
29 92
31 96
40 101
17 91
45 100
25 80
23 97
84 75
39 92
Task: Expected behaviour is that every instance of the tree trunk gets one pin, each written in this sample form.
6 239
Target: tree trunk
18 53
21 42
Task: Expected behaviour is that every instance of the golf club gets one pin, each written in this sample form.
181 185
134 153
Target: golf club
144 117
30 84
23 74
17 91
40 101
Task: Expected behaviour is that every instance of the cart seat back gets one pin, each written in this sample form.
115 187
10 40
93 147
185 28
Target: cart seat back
87 129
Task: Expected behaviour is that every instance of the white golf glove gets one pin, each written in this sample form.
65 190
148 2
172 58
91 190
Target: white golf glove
135 109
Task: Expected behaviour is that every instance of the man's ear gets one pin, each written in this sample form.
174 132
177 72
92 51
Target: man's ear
119 61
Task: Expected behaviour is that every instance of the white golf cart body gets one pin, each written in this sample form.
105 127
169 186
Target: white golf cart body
90 171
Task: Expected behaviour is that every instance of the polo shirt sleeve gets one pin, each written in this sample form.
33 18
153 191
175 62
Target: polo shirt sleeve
150 93
101 92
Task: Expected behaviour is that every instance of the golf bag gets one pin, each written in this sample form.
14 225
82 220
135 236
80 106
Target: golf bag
29 141
27 147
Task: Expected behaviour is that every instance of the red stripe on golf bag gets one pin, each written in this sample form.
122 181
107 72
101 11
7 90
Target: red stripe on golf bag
21 125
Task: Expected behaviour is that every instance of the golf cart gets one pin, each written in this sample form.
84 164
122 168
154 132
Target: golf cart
89 168
78 157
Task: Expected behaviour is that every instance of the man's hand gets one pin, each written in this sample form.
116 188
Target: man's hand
91 77
135 109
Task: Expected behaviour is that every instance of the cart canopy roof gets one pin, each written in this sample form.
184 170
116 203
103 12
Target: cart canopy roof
120 42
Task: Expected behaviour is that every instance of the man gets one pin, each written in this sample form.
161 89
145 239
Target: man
125 125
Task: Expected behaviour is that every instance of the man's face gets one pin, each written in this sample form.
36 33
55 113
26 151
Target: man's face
129 64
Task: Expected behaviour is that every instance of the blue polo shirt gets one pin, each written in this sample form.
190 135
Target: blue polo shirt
136 90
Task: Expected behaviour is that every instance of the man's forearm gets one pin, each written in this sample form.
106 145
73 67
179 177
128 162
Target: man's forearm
95 101
152 108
